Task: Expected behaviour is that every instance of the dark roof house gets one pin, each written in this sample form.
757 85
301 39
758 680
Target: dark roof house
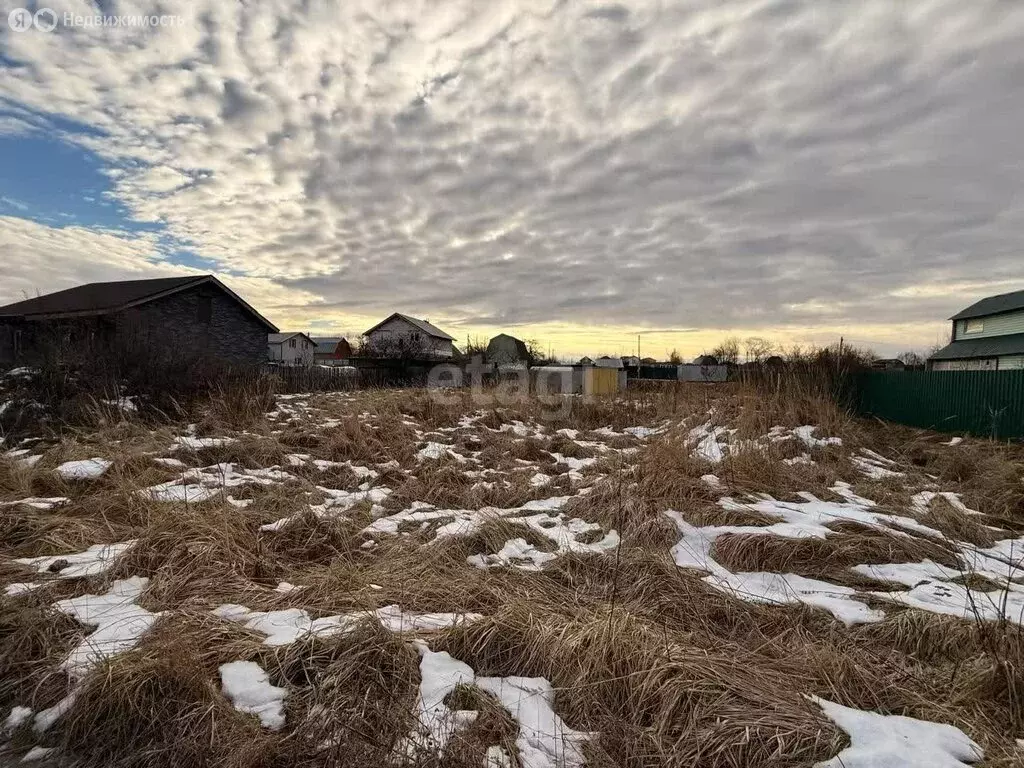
505 349
196 315
331 348
988 335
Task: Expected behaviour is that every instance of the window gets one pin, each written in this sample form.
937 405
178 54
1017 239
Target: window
298 361
205 309
974 326
291 343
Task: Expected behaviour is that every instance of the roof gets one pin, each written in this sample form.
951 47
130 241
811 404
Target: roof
280 338
990 346
993 305
327 344
423 325
116 296
522 352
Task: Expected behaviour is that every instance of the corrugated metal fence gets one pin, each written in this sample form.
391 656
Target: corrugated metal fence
983 403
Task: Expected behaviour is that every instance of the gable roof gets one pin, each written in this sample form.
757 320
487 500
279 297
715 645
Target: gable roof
993 305
107 298
328 345
423 325
989 346
280 338
522 353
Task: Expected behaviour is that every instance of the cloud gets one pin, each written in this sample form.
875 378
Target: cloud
748 164
41 259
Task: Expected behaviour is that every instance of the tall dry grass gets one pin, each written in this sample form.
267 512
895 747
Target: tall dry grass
664 669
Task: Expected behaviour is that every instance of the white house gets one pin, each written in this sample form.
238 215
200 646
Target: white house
987 336
290 348
403 336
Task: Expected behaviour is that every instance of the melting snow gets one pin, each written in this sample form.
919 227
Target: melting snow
694 551
957 600
248 686
708 447
36 754
338 502
806 433
811 517
433 451
18 716
544 740
292 624
922 502
439 676
119 623
13 590
517 553
196 443
86 469
95 560
38 502
885 741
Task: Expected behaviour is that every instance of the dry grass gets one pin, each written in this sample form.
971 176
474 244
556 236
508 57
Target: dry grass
666 670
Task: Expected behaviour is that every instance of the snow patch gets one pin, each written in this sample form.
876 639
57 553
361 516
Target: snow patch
119 623
85 469
95 560
544 740
293 624
877 741
248 686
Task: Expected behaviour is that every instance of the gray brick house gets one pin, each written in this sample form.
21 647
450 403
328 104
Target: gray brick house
192 317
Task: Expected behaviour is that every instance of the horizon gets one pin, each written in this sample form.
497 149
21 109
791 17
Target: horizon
575 174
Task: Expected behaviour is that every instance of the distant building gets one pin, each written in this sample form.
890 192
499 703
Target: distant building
585 361
333 350
402 336
294 348
195 317
506 350
987 336
608 362
631 361
888 364
705 360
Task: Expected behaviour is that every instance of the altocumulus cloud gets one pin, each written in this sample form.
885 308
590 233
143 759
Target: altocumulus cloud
750 164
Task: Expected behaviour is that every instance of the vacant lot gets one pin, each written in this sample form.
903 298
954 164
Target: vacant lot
694 577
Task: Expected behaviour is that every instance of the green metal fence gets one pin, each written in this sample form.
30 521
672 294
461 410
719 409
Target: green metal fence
982 403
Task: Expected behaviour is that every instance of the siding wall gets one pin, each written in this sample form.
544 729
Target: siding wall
300 354
397 332
1011 362
973 364
995 325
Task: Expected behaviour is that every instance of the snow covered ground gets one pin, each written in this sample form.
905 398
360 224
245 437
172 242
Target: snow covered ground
493 552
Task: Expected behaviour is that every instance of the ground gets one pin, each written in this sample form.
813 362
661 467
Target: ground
688 576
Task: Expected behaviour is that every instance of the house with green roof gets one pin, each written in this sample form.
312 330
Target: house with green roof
987 336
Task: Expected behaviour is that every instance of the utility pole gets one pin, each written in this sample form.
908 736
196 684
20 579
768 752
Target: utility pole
638 346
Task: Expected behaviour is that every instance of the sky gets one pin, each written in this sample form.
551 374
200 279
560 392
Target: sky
591 175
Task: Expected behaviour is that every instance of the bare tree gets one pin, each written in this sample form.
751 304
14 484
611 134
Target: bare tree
728 352
398 346
758 349
674 357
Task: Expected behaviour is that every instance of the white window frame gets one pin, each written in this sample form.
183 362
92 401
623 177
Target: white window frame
974 325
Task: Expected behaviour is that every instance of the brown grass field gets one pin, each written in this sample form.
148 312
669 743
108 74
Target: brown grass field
652 662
